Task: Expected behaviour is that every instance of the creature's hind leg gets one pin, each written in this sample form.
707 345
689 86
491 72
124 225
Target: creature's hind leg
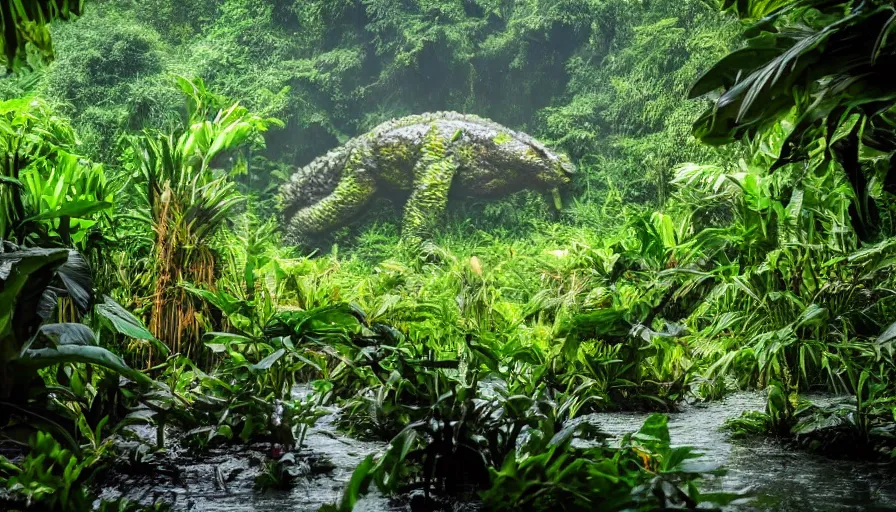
349 197
428 200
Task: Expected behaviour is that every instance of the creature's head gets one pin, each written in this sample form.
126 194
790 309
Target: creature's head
550 169
535 166
563 169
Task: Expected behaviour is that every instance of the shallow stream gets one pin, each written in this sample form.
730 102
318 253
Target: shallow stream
778 479
198 486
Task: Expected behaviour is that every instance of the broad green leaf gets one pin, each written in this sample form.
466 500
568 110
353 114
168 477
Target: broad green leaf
221 340
81 208
357 485
656 427
77 278
725 72
41 358
268 361
123 322
813 315
889 334
24 275
69 334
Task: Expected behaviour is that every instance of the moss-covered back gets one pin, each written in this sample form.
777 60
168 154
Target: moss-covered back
473 156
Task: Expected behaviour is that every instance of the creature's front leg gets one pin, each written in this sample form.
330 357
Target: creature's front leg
354 191
432 181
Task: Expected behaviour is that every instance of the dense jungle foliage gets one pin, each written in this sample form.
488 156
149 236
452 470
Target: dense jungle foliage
730 227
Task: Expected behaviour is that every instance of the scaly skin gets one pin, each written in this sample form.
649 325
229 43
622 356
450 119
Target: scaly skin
426 158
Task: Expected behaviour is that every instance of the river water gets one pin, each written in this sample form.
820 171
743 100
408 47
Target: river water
776 478
223 479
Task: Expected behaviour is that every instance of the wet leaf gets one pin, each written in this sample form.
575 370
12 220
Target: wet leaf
68 334
268 361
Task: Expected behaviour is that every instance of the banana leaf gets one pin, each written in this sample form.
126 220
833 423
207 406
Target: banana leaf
79 209
24 277
68 334
123 322
77 278
43 357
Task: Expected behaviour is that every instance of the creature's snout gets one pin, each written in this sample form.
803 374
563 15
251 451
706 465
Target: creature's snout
568 167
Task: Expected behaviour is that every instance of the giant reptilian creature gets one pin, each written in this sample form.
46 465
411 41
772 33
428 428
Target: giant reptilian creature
426 158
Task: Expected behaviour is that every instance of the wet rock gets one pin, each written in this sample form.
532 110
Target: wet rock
321 465
418 501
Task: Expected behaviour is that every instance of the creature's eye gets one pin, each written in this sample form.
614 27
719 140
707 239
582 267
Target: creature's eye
540 151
